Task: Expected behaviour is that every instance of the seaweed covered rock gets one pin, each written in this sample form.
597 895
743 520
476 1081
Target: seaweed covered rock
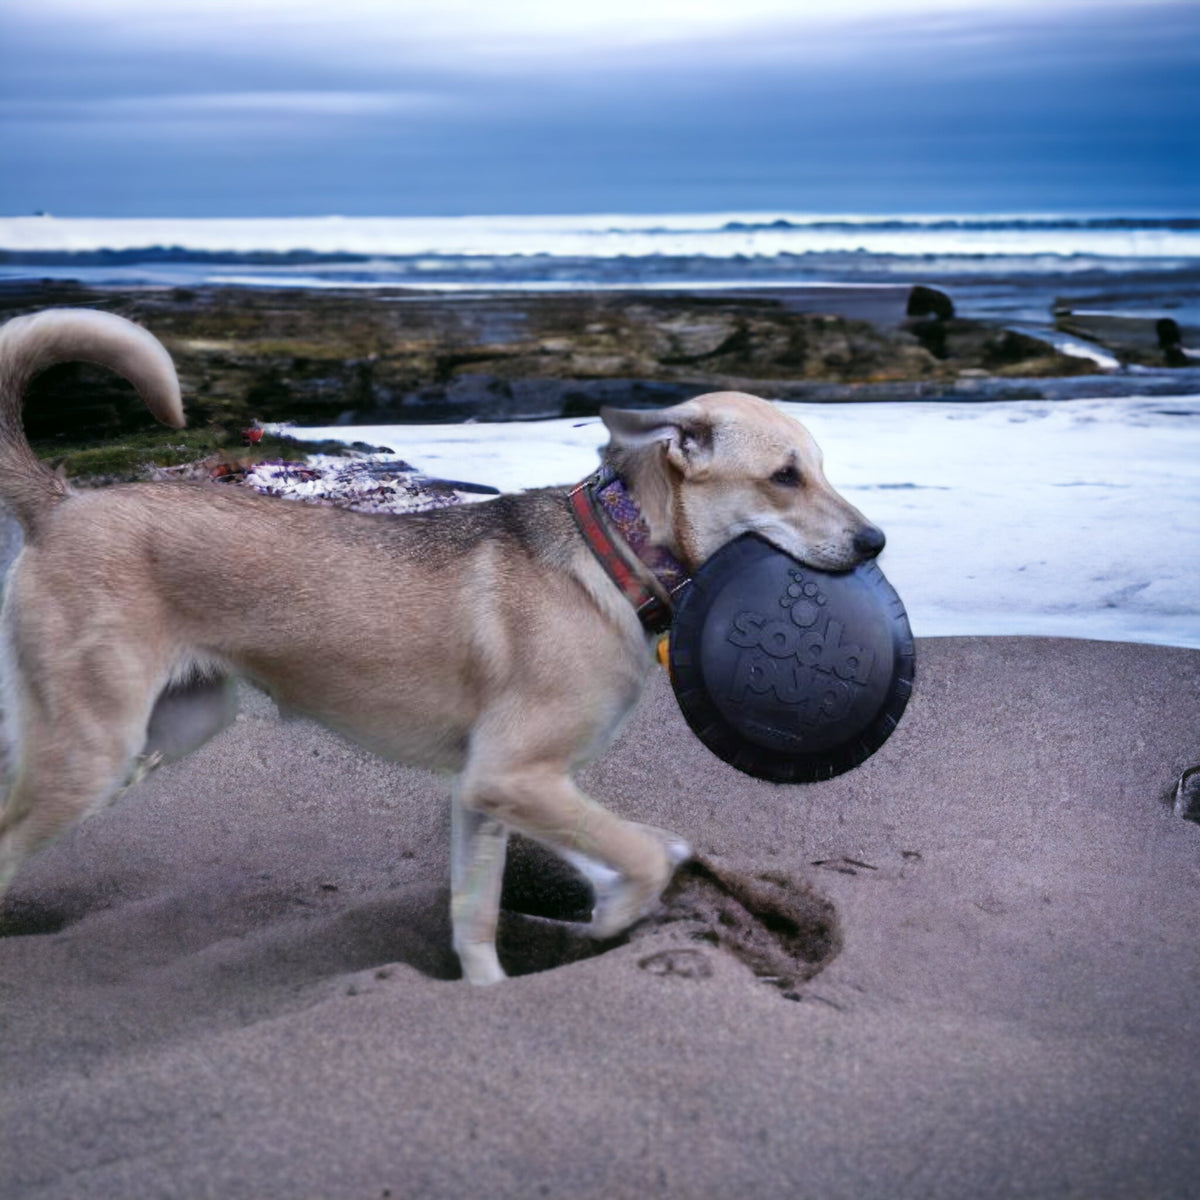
394 356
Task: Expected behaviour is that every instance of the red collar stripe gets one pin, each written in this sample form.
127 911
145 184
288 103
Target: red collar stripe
653 613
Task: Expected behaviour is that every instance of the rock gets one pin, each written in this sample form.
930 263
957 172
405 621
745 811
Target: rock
1147 340
398 356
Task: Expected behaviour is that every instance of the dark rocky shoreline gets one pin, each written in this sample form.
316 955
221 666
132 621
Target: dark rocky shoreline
398 356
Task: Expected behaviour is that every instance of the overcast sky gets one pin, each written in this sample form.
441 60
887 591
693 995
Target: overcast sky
390 107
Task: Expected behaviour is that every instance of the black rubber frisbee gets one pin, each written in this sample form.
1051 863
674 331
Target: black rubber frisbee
786 672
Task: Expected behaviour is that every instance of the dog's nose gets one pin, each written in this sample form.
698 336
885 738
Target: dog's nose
869 541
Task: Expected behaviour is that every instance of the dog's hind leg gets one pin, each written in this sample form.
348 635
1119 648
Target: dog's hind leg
478 845
75 746
539 800
620 901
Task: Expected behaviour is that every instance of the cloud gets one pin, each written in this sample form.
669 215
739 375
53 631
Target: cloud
151 108
391 105
484 34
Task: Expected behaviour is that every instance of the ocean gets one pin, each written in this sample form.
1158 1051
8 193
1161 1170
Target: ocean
1009 267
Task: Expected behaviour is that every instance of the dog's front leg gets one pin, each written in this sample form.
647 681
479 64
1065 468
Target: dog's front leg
539 800
477 851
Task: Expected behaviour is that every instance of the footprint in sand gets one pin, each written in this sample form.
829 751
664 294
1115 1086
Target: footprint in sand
781 929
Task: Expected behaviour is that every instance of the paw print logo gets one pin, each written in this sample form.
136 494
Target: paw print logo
804 600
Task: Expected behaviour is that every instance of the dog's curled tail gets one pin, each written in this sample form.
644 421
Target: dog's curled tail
31 344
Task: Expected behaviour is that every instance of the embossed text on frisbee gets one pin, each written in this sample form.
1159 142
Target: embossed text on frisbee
803 658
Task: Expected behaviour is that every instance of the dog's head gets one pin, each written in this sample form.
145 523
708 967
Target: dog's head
706 471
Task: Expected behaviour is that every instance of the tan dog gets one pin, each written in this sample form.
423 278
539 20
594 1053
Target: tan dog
486 640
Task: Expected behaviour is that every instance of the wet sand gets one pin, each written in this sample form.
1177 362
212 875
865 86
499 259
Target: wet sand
237 981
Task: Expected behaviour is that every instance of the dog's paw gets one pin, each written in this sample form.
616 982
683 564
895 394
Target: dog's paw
678 852
622 902
677 849
621 905
480 966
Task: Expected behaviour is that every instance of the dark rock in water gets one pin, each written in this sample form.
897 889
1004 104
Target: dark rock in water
929 302
1170 341
1144 340
994 351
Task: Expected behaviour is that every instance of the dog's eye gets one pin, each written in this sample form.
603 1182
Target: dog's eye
786 477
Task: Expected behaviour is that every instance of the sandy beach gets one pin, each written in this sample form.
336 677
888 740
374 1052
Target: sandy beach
237 981
967 968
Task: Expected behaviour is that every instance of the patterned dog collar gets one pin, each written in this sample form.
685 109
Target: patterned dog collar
602 507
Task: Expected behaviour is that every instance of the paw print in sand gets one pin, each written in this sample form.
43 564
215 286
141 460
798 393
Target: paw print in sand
804 600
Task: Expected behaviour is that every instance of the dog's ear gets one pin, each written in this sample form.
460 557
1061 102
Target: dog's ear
684 432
